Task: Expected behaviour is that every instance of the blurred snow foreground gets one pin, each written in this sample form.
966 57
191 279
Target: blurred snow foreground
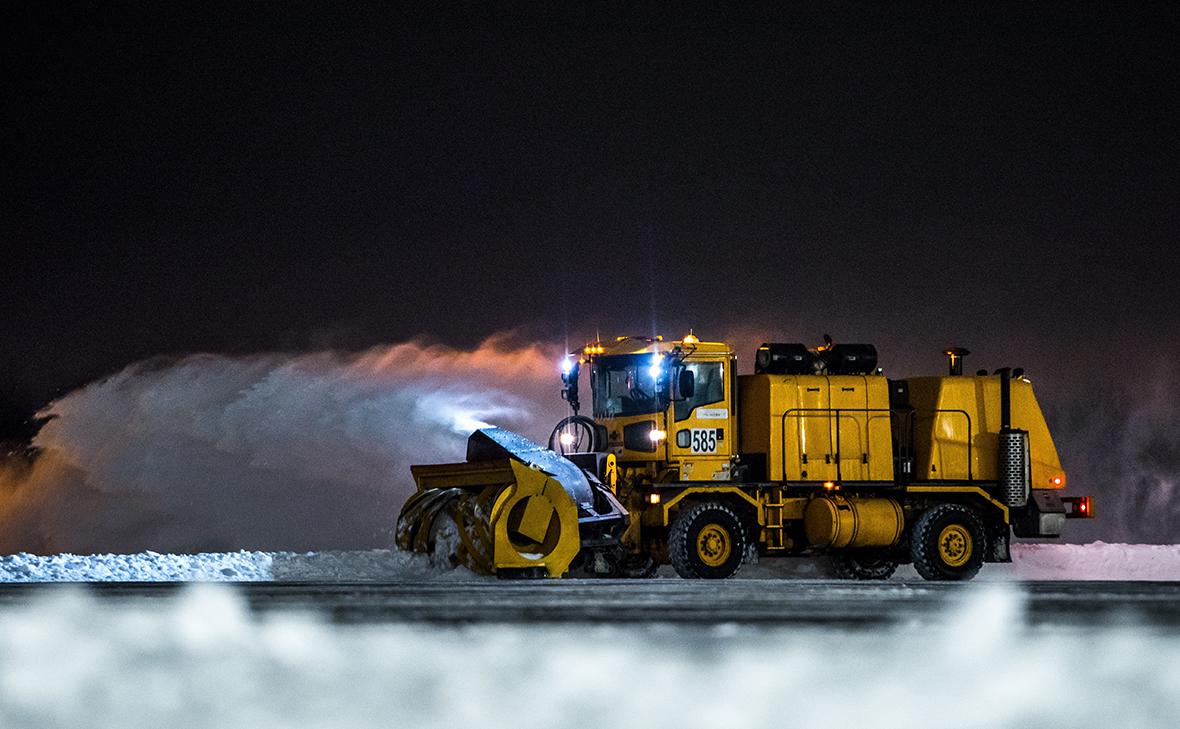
1096 561
203 659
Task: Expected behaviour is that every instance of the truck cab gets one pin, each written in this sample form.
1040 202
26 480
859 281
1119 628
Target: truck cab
667 407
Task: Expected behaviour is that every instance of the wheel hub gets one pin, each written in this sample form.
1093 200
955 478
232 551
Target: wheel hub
713 545
954 545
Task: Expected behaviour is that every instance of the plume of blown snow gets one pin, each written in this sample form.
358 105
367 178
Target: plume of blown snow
268 452
1120 440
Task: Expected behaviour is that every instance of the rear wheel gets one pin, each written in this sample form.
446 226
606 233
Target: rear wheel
707 541
948 543
863 568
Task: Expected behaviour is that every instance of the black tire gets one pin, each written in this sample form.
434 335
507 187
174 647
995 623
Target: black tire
948 542
862 568
707 541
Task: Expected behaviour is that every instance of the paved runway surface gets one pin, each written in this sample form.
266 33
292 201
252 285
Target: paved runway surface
754 602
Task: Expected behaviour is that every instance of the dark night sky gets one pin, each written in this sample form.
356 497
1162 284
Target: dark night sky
252 176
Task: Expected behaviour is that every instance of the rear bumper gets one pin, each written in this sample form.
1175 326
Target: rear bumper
1078 507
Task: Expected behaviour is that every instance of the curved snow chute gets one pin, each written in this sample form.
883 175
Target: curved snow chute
512 508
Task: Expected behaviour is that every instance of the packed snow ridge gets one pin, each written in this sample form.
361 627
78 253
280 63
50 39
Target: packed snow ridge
367 566
1095 561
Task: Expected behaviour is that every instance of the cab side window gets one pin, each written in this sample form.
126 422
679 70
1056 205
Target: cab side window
710 388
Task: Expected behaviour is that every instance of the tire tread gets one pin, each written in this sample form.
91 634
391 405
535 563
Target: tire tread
921 540
680 546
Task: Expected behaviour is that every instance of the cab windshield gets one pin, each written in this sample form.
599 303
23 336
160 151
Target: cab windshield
624 385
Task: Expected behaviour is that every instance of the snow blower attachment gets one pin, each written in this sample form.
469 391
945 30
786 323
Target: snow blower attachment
513 509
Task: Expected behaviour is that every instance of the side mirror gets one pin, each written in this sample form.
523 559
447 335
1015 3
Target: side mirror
569 390
686 384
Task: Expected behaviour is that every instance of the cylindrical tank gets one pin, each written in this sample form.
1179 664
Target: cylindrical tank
837 523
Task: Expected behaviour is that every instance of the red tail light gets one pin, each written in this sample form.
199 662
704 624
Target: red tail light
1082 507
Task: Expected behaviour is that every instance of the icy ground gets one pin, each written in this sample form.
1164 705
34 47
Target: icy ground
1095 561
204 660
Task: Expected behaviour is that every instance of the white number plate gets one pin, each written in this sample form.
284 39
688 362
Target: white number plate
704 440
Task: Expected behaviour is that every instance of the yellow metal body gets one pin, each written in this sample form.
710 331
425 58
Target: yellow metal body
969 492
818 427
506 516
837 431
957 416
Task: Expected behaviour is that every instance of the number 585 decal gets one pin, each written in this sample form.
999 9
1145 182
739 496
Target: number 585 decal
704 440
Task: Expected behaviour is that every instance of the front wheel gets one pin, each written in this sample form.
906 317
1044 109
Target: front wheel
707 541
948 543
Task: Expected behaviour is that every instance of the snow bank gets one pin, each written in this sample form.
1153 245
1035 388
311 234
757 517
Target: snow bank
1096 561
143 567
371 566
204 660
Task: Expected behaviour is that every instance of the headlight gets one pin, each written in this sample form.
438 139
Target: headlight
657 435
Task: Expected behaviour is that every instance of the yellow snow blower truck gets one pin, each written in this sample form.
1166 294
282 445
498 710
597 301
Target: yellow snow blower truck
817 453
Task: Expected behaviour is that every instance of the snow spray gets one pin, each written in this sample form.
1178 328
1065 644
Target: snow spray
274 452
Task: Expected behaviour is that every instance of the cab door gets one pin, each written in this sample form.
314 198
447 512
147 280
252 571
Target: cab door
702 429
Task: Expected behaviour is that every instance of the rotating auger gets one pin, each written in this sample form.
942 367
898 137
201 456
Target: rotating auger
512 509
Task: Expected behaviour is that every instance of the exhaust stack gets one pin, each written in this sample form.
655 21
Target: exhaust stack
954 360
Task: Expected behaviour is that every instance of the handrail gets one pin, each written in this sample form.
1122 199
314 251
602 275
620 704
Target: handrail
868 441
829 411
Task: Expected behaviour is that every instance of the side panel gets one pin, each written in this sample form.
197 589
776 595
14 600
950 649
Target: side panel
880 430
758 427
850 425
811 424
1047 472
957 416
791 420
947 425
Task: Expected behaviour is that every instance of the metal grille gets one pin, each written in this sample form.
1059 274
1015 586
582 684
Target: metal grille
1014 467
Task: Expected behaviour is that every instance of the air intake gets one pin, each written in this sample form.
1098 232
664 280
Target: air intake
1015 475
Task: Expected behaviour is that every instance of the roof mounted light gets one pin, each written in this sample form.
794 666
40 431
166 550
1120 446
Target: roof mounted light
657 366
691 338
